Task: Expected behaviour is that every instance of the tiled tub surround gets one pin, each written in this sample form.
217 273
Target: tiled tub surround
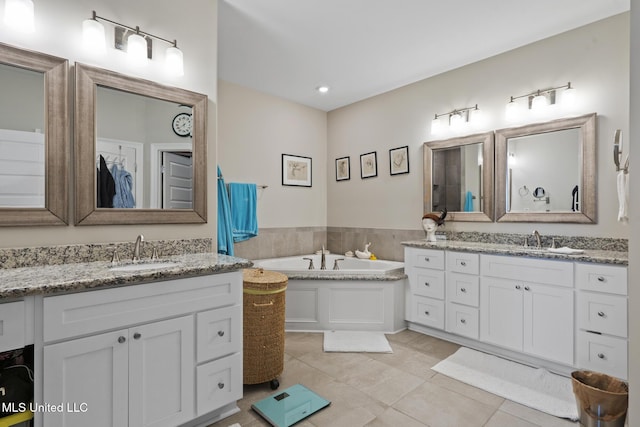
281 242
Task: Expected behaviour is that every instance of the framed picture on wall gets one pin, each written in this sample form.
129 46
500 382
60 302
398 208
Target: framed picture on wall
343 168
296 170
399 160
368 165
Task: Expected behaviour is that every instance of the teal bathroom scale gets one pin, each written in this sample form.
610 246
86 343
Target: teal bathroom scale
290 406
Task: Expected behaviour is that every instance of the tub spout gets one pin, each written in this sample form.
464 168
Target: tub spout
323 260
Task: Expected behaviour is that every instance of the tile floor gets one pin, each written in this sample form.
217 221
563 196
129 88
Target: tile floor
387 390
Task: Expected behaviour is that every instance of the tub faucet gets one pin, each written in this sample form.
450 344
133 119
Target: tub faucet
136 248
537 236
311 267
323 260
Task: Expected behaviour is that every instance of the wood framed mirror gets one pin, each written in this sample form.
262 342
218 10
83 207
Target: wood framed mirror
458 177
546 172
131 123
34 138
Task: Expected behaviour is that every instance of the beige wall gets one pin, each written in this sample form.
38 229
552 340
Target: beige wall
594 58
255 130
58 32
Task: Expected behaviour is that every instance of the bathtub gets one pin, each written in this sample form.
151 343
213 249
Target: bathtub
363 295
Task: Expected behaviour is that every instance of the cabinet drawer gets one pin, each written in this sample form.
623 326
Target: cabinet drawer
219 332
461 262
218 383
425 258
527 269
602 278
602 354
428 283
463 320
82 313
606 314
427 311
463 289
12 325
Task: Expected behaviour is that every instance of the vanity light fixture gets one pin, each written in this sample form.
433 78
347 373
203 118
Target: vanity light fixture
138 43
539 100
457 119
19 15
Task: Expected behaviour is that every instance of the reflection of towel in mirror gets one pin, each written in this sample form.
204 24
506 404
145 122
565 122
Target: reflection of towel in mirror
124 186
623 196
468 202
244 221
106 185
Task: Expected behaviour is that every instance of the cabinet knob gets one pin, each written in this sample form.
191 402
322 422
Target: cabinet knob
426 259
518 287
601 356
427 284
136 336
426 312
220 386
463 290
602 314
220 333
463 321
463 263
600 279
526 288
121 339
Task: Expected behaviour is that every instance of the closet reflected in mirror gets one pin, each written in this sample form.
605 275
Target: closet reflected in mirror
458 177
33 138
140 151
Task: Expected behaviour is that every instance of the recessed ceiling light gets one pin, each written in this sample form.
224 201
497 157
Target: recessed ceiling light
322 89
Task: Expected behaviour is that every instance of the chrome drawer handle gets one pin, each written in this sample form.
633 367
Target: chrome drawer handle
121 339
602 314
601 356
427 313
220 333
600 279
518 287
526 288
427 284
463 321
220 386
136 336
463 290
426 259
463 263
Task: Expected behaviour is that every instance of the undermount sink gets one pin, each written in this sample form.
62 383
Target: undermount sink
144 266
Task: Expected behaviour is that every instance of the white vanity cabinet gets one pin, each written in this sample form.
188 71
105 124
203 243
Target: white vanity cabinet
527 305
602 335
425 295
158 354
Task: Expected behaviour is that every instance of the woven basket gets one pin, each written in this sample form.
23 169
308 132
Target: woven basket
263 326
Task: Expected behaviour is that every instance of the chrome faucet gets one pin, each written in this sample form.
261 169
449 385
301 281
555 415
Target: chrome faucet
136 248
538 241
311 267
323 260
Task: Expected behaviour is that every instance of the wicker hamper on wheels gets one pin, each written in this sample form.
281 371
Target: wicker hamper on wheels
263 326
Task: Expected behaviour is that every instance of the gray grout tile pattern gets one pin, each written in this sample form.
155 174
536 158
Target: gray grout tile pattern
387 390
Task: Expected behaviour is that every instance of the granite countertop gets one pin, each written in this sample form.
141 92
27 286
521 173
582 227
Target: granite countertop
596 256
52 279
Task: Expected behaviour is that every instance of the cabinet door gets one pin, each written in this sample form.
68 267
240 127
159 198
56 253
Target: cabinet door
548 322
501 313
161 373
87 374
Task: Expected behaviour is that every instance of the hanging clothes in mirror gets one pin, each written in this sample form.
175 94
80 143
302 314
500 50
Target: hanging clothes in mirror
106 185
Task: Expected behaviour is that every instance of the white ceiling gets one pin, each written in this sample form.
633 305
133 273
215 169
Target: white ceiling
361 48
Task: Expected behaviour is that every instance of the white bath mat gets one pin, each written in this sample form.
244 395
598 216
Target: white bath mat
536 388
356 342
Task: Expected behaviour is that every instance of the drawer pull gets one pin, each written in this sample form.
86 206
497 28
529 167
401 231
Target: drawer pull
601 356
463 321
518 287
427 313
220 386
463 290
220 333
463 263
121 339
426 259
602 314
136 336
600 279
427 284
526 288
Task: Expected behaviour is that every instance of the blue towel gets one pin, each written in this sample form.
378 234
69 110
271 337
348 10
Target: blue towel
468 202
244 220
124 186
225 236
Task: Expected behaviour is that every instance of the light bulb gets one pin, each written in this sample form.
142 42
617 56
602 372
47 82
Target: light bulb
456 122
476 118
436 126
173 61
137 49
93 37
512 111
18 14
539 103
